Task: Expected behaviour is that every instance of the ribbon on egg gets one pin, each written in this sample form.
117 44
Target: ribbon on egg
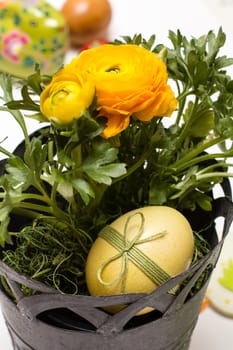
128 251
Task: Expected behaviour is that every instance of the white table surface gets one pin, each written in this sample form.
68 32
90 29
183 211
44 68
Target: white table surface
193 18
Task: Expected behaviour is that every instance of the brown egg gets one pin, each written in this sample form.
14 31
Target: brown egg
172 251
87 19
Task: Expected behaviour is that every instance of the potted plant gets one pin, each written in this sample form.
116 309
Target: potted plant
122 158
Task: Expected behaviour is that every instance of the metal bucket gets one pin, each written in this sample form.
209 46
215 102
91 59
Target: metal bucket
50 320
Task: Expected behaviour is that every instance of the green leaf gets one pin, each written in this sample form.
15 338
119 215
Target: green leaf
230 86
18 173
158 192
35 156
23 172
4 234
138 39
214 44
65 160
97 164
87 126
203 124
84 189
148 44
193 60
201 73
35 80
105 173
11 189
24 104
37 116
204 201
225 128
185 183
28 90
114 170
6 82
222 62
176 38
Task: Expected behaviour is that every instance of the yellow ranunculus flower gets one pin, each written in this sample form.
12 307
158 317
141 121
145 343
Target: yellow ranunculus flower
130 80
67 96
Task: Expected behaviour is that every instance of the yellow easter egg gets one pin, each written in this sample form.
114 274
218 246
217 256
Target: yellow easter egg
132 253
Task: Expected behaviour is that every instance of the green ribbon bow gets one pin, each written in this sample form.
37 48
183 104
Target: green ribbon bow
128 251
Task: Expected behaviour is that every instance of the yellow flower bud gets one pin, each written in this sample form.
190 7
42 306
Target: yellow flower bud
67 96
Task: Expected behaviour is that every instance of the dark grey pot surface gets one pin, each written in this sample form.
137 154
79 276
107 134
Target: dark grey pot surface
50 320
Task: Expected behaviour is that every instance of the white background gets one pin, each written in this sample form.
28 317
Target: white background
193 18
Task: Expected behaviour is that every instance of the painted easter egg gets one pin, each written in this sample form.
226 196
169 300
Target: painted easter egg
87 20
31 31
139 251
220 288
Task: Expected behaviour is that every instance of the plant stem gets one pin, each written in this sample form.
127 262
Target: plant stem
213 175
203 158
51 209
210 168
182 103
25 212
139 162
37 207
187 125
34 196
196 151
7 153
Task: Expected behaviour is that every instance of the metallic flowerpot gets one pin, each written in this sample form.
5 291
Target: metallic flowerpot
50 320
